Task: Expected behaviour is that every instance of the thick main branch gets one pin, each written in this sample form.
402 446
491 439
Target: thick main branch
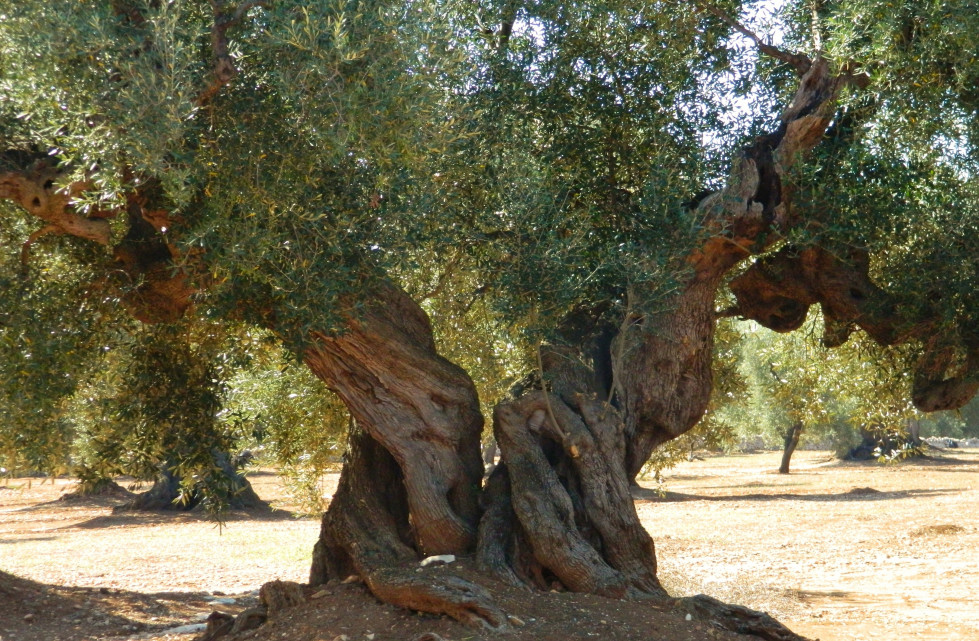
37 190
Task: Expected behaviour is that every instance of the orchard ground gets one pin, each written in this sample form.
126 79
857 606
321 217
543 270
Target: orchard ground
836 551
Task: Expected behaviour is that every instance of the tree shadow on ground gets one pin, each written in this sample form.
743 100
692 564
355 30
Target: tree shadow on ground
26 538
143 517
806 596
855 494
933 458
36 611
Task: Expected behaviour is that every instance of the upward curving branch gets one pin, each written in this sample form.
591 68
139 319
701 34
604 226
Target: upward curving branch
663 360
224 64
799 62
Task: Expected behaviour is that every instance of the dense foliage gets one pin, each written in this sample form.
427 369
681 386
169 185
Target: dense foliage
569 196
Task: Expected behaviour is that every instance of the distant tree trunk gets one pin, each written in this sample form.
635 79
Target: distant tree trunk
167 492
163 495
879 441
792 435
914 431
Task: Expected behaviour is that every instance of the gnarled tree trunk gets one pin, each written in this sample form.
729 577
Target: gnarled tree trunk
168 492
412 475
556 513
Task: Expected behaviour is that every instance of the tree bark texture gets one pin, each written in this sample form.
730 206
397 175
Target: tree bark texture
662 362
778 290
556 513
411 480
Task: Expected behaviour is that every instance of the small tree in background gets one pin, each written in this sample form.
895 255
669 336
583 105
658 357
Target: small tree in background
154 414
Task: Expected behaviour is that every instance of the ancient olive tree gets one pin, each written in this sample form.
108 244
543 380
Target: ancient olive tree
290 164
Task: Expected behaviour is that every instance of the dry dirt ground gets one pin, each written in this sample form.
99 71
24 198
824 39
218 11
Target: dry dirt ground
836 551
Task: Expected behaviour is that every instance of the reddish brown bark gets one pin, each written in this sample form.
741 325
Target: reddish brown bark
778 290
662 362
411 482
37 187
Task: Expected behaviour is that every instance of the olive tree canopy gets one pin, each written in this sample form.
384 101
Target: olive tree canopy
608 178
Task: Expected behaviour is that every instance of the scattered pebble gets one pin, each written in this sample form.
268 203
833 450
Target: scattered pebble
517 621
438 558
320 594
29 618
689 617
186 629
224 601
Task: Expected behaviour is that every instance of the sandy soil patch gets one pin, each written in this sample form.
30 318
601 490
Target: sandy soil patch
837 551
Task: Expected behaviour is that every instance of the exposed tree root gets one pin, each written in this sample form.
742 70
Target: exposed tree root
441 593
737 618
366 531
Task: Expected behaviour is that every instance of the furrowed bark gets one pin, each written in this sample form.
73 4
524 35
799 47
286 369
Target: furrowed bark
420 407
411 482
663 361
564 459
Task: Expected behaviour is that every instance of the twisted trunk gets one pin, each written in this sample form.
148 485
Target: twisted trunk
556 513
411 480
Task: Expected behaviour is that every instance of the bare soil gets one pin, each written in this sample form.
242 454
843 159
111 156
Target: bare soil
836 551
